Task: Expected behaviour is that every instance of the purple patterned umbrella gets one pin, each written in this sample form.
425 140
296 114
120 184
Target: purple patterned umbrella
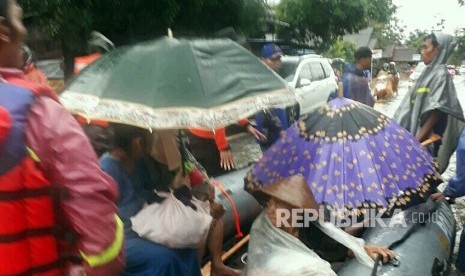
353 158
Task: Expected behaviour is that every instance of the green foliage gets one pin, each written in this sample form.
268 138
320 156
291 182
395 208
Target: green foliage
342 49
458 56
415 39
68 20
390 34
324 21
130 21
454 58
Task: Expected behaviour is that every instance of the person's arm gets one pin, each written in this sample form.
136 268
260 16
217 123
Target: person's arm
68 161
251 129
456 186
428 125
226 156
259 121
281 114
346 87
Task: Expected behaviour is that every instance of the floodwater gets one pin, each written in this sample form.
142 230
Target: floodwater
247 151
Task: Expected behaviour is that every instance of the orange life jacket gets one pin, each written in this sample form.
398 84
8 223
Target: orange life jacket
28 230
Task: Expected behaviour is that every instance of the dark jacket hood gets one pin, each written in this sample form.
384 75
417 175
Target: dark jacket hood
447 45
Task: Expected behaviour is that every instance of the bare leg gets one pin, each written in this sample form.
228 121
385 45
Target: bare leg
215 246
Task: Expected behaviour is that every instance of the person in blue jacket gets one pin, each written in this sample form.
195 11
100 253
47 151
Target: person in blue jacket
271 122
456 188
126 165
355 80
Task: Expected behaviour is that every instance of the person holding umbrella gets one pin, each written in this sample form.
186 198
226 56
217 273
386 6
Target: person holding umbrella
49 177
271 122
137 176
125 165
274 243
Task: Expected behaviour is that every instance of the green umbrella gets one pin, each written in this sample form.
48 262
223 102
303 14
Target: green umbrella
176 83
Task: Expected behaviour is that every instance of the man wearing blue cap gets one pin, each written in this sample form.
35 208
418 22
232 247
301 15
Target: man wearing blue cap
271 56
272 121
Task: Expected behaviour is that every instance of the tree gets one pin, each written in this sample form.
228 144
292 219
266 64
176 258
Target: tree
68 21
415 39
389 34
342 49
129 21
324 21
458 56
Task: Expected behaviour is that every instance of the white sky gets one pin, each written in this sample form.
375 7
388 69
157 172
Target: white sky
424 14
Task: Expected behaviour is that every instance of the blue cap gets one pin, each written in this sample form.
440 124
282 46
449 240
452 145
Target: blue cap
271 51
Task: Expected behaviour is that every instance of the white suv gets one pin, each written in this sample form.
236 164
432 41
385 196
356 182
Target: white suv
313 79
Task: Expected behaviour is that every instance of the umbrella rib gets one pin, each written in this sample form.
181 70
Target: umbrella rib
358 163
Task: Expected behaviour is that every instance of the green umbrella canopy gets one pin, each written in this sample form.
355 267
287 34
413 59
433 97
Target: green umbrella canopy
171 83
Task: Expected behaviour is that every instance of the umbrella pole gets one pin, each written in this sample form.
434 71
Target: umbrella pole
183 153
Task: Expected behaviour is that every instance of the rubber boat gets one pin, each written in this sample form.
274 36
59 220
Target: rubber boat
428 236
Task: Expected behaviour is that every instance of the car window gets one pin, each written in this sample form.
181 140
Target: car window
327 69
305 72
317 71
287 70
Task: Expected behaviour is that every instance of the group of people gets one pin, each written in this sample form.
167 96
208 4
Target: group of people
387 82
66 212
431 107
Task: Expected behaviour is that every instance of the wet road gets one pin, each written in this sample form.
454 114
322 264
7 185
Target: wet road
247 151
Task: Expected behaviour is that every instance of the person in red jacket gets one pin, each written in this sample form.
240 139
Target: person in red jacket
75 230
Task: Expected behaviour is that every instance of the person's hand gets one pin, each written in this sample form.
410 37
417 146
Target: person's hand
437 197
226 159
77 270
255 133
180 180
374 251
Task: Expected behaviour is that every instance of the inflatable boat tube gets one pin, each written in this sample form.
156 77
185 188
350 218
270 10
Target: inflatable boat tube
427 251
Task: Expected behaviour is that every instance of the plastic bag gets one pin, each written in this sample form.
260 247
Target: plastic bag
275 252
355 244
173 224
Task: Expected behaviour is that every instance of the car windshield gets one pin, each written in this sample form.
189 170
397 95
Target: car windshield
288 68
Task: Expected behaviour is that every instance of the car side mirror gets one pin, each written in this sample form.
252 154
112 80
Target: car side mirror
304 82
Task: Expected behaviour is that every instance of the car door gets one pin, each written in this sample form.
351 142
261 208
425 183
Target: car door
330 78
318 94
304 87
